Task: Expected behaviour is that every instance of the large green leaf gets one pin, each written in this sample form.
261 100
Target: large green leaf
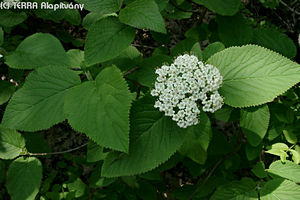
100 109
197 139
222 7
39 103
280 189
143 14
38 50
106 39
24 177
236 190
254 75
234 30
273 39
102 7
154 138
11 143
288 170
254 123
10 18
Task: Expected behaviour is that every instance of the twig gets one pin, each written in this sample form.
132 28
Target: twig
130 71
291 9
144 46
55 153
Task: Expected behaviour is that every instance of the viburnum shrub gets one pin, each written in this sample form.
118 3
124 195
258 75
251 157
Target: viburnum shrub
149 99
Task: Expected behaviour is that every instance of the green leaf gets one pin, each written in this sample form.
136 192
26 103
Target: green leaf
39 103
143 14
254 123
288 170
106 39
184 46
254 75
253 152
221 7
76 58
196 51
236 190
146 74
73 16
6 90
24 177
78 187
35 143
176 12
38 50
102 7
154 138
290 134
259 170
273 39
104 106
211 49
9 18
295 156
280 189
11 143
94 152
197 139
234 30
279 149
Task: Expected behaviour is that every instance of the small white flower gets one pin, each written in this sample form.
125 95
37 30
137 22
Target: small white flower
1 55
183 86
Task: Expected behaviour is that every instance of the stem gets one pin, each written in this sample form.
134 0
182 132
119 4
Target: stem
130 71
88 75
291 9
55 153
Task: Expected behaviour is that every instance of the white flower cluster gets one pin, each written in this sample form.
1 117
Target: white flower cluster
183 85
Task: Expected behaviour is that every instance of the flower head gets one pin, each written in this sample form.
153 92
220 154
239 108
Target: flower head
183 85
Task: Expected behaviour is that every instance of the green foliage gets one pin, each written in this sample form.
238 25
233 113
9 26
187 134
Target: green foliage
254 123
38 50
24 178
211 49
254 75
104 106
222 7
288 170
39 103
234 30
155 136
10 18
244 189
196 140
6 90
273 39
11 143
106 39
143 14
280 189
75 91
